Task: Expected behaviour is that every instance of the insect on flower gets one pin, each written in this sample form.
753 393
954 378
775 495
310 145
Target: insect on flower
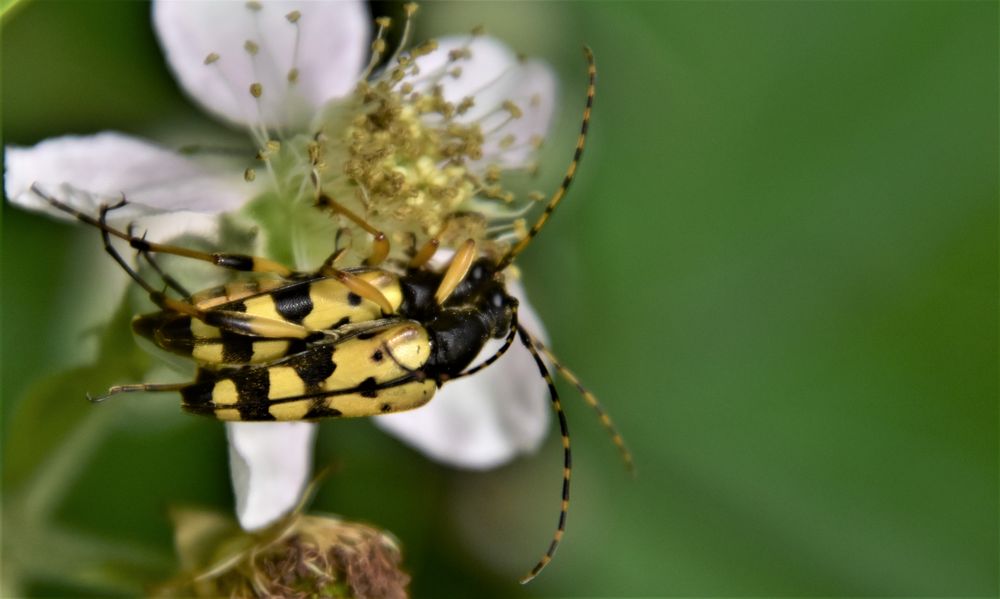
348 342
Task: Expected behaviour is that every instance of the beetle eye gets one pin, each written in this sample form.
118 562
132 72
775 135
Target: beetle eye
498 299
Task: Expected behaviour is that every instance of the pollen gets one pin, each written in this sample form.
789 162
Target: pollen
405 156
514 110
410 159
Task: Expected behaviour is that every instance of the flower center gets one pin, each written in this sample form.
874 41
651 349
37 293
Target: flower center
398 153
403 160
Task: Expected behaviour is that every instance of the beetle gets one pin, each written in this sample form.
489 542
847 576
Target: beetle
344 342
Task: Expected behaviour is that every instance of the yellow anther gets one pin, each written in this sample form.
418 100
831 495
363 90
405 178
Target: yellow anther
314 152
378 46
251 47
464 106
455 73
507 141
406 88
493 174
384 22
249 175
294 16
254 5
536 196
211 58
459 54
478 30
256 90
536 100
425 48
513 109
272 145
410 8
293 75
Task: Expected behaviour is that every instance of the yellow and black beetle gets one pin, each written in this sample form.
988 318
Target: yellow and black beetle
343 342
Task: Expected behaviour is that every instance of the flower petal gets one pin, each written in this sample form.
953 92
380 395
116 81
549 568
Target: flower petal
487 419
270 464
258 42
84 171
492 75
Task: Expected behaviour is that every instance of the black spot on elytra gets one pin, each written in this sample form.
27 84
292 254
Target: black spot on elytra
293 302
364 336
385 408
253 385
377 356
341 322
197 395
353 299
368 388
236 348
314 366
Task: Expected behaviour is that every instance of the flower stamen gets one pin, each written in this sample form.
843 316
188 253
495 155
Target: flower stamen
410 8
293 71
212 61
378 46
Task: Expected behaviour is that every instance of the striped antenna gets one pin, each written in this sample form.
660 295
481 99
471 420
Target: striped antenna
567 458
592 401
557 197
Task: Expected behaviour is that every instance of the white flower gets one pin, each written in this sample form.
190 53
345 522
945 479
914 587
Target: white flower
407 143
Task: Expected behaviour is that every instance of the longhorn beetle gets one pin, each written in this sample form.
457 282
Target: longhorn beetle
344 342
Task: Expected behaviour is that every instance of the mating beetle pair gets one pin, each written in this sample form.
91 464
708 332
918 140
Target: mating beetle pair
342 342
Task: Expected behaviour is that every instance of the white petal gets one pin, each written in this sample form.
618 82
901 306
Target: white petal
85 171
493 75
487 419
328 45
270 464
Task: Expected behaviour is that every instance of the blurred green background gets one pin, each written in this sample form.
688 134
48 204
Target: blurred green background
778 269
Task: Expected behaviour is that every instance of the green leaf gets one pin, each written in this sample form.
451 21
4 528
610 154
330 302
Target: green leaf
49 411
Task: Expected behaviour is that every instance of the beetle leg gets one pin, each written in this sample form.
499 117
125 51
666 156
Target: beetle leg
380 243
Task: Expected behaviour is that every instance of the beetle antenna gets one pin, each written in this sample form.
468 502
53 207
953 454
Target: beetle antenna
567 458
135 388
557 197
592 401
